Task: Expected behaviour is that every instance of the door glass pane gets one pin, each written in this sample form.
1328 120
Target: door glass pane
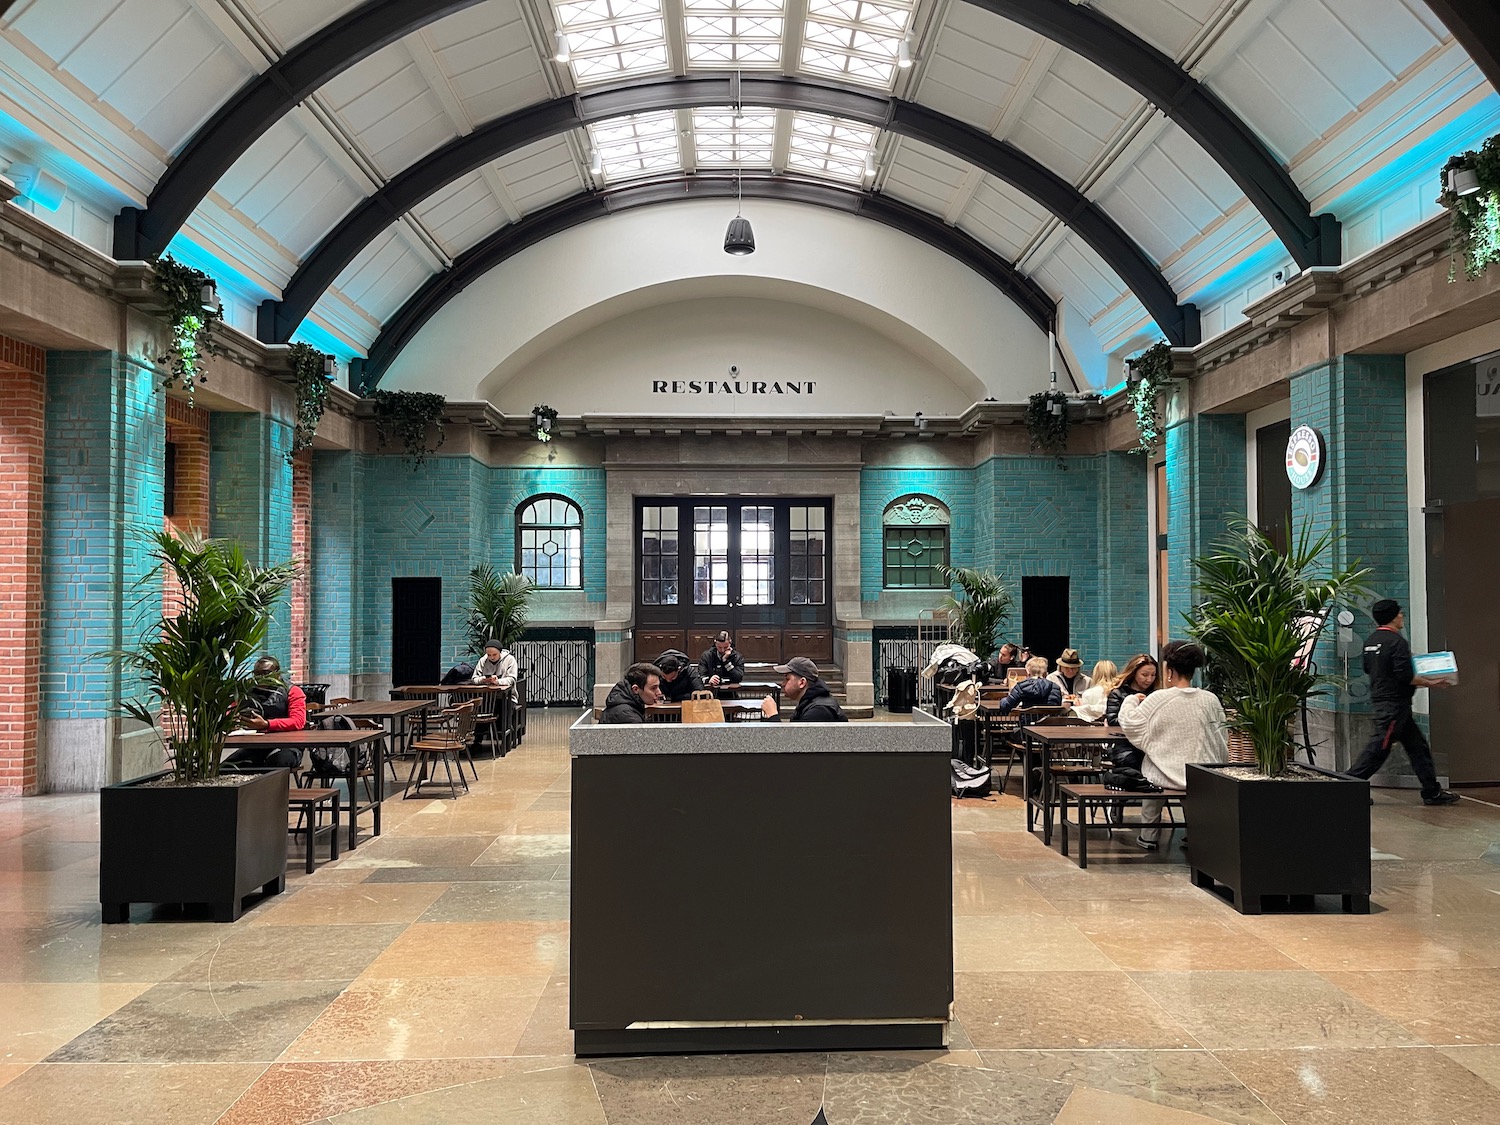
757 556
658 555
807 539
710 555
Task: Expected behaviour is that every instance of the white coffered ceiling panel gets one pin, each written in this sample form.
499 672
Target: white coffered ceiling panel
489 59
541 174
385 274
1171 193
1168 25
972 69
159 64
390 108
287 186
462 213
1076 271
924 176
1002 218
294 20
1076 110
1311 63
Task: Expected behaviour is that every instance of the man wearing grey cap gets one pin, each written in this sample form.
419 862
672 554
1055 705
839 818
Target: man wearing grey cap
804 687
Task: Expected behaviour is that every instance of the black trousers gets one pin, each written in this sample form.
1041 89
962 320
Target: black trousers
262 756
1394 725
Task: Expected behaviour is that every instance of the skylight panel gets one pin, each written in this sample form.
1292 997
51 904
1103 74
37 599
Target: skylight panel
612 39
855 40
638 145
829 146
723 140
733 33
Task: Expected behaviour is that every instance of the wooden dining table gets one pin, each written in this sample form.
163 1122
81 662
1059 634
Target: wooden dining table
395 713
1038 745
350 741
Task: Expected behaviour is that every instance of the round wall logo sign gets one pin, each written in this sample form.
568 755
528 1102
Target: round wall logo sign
1304 457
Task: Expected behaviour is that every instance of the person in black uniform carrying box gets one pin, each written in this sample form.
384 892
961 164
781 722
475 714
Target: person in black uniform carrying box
1387 660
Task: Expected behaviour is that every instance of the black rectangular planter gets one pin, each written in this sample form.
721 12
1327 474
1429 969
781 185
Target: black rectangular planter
212 844
1266 837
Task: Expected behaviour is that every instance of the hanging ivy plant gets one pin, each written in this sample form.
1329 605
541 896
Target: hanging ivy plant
542 418
1476 213
180 289
405 416
1151 373
312 395
1048 429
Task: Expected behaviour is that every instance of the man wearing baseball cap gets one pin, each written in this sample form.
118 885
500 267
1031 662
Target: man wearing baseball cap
804 687
1387 660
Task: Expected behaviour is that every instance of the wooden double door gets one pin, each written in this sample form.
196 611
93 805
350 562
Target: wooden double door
760 568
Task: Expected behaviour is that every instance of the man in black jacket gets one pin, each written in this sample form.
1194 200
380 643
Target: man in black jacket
627 700
1034 691
804 687
679 676
1387 660
722 663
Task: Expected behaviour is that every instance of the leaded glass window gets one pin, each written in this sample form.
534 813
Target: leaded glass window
549 542
659 554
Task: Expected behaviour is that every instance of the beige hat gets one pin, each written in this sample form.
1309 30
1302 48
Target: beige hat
1069 659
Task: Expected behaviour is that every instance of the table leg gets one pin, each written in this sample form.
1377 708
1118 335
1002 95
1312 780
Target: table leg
1083 834
353 779
1046 756
377 764
1062 815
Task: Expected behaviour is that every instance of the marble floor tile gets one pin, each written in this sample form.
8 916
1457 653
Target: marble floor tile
1269 1009
547 1032
992 894
37 1018
1098 1107
507 873
474 949
1061 885
559 1093
1374 1086
501 902
1179 944
422 1019
1443 1007
240 1021
1339 942
1483 1061
261 953
360 904
1023 943
896 1089
1193 1081
296 1093
427 851
548 823
1062 1010
768 1089
92 1094
10 1072
553 846
73 947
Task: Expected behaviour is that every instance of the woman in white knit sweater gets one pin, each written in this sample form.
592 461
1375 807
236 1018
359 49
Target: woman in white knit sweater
1174 725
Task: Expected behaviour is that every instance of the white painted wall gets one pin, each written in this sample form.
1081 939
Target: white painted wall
934 307
649 361
1254 420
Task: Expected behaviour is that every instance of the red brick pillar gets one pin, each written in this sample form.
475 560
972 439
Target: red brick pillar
23 410
302 552
187 434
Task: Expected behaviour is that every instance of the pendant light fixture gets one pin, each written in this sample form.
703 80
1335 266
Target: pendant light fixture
739 239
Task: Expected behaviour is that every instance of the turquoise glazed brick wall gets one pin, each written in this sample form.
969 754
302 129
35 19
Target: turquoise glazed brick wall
250 499
1358 402
585 487
338 505
1028 517
104 477
1205 490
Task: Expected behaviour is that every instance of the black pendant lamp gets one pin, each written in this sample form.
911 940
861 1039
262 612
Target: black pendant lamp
739 239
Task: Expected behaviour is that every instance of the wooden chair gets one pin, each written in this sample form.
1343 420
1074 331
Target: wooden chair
309 804
1020 719
448 735
325 770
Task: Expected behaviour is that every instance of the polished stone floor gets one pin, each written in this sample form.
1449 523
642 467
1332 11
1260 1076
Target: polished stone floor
423 978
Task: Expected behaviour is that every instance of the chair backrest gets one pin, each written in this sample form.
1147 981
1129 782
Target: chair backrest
464 716
342 700
1025 716
1059 721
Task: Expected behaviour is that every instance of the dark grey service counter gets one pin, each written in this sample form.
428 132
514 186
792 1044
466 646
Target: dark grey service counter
760 887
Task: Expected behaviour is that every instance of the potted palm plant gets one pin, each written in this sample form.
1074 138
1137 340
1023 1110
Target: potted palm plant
499 606
194 833
1277 827
983 608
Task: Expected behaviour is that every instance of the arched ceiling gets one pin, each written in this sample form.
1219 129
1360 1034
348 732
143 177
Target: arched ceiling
1135 159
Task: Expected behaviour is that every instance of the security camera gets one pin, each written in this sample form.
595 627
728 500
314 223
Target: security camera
734 368
921 420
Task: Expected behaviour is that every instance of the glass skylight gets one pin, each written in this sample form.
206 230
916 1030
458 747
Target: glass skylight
733 33
855 40
830 146
637 145
612 39
722 141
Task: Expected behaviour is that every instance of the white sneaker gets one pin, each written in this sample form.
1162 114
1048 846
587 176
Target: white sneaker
1144 844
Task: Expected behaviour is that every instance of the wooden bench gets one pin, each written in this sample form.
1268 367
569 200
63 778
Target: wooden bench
309 805
1089 797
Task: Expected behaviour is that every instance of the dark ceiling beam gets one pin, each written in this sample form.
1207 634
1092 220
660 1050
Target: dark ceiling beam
279 319
1313 240
577 210
1476 25
259 104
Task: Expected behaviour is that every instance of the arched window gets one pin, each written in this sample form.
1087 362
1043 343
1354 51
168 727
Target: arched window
915 543
549 542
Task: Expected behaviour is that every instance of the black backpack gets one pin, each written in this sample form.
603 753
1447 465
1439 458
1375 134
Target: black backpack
970 781
1124 779
460 673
